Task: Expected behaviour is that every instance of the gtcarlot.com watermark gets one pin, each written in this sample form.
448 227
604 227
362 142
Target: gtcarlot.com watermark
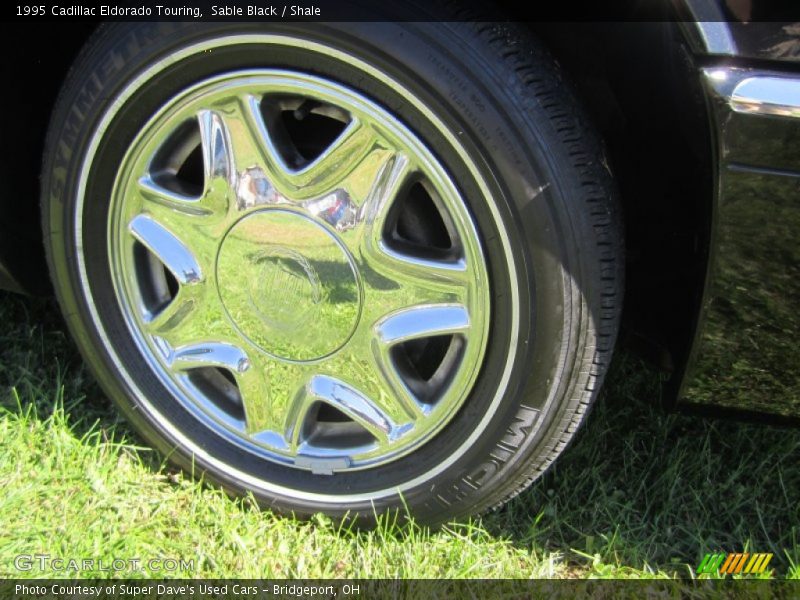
46 563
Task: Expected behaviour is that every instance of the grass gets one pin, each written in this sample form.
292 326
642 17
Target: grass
639 494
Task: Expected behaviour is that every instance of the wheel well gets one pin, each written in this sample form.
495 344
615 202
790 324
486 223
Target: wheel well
641 89
37 70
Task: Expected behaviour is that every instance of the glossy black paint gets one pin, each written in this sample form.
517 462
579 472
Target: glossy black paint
746 356
768 41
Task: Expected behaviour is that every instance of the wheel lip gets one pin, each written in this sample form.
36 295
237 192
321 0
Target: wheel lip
153 414
406 437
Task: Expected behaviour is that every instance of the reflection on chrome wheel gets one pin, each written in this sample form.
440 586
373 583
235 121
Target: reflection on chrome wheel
260 253
348 268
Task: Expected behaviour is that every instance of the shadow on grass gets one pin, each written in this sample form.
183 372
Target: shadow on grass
637 487
42 371
642 487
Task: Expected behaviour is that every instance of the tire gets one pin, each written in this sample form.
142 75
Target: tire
407 300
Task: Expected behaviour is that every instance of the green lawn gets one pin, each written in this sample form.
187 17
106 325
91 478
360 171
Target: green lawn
639 494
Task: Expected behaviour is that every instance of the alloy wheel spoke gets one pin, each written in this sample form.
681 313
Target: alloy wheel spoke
247 158
271 392
352 161
339 394
168 248
359 370
188 240
438 284
219 169
356 405
193 316
158 198
210 354
410 324
436 275
394 280
422 321
170 321
400 392
385 188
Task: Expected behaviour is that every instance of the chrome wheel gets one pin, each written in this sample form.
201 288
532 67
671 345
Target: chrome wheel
299 270
285 282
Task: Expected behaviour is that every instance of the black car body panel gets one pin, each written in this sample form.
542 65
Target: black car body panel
768 41
746 356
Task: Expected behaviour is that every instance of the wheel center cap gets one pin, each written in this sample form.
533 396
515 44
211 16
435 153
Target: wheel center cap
288 285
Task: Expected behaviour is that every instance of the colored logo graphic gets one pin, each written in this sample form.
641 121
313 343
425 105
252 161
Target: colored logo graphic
734 563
